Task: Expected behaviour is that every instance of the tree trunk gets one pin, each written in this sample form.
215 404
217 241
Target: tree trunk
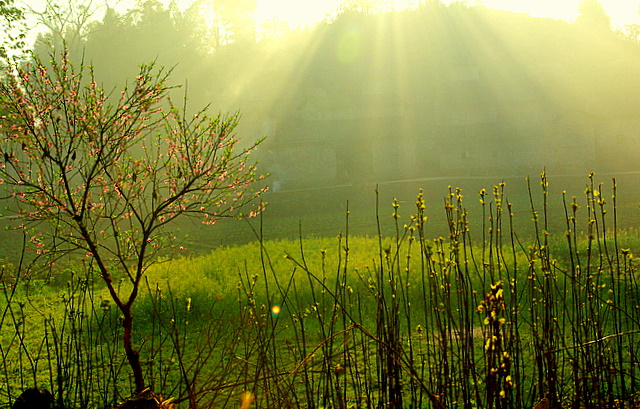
132 355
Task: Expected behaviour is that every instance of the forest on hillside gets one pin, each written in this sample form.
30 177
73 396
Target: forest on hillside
368 96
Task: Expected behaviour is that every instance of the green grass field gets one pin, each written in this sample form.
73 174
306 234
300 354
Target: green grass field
469 310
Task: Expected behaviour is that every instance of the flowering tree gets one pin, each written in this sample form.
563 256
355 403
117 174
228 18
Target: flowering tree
109 172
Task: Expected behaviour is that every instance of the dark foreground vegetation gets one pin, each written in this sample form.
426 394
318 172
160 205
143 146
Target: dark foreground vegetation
480 318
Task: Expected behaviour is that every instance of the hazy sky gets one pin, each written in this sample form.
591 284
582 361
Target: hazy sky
621 11
303 12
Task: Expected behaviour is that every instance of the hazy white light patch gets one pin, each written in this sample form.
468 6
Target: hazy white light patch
296 12
621 11
304 12
307 12
562 10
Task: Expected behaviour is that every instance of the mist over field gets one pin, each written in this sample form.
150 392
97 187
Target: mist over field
428 96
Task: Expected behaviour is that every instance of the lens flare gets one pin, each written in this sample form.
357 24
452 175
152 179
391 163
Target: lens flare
247 400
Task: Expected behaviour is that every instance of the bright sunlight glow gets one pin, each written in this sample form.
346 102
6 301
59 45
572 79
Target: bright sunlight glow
295 12
621 11
305 12
299 13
